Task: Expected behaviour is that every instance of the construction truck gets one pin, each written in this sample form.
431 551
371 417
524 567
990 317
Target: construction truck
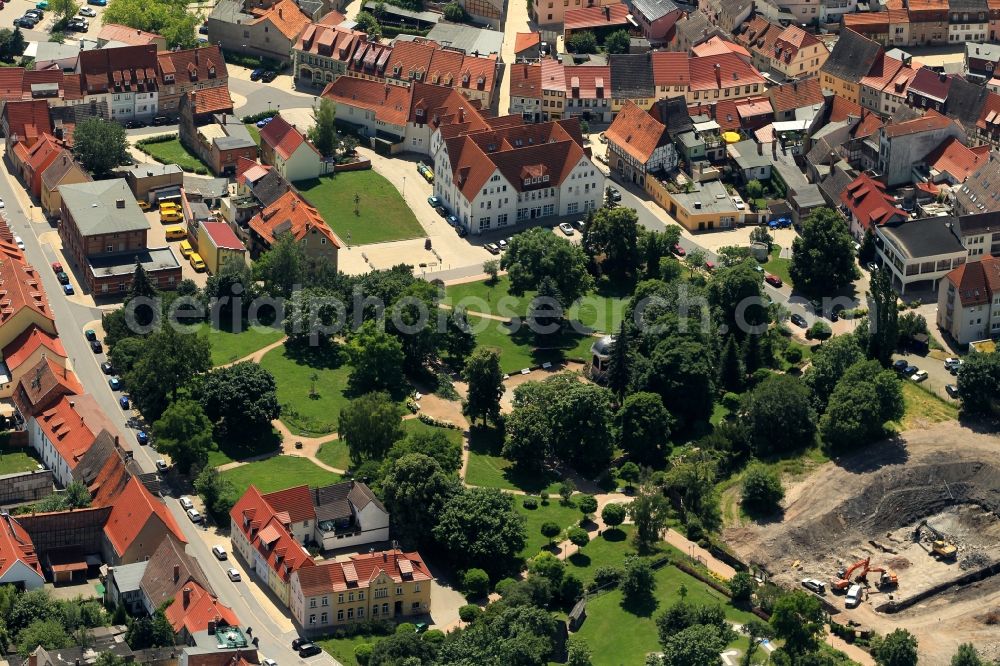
941 548
887 579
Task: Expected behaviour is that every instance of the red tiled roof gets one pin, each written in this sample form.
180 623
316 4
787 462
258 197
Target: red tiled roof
296 501
201 608
28 119
212 100
25 344
869 203
724 112
16 546
931 84
131 511
732 71
867 22
330 41
671 68
284 15
441 106
198 64
554 75
291 214
283 137
67 429
868 124
426 61
584 82
42 385
883 72
977 282
330 576
990 113
717 45
596 17
932 120
526 40
125 69
114 32
842 107
636 132
796 95
525 80
954 157
222 235
110 482
19 280
11 82
388 102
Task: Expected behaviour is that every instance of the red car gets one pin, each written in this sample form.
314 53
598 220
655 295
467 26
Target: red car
678 250
772 280
56 267
709 266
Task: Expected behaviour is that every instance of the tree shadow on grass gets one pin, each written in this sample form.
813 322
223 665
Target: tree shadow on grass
580 559
321 357
614 535
240 446
641 606
551 348
489 442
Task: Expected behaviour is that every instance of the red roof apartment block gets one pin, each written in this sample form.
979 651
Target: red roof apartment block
869 204
361 570
977 282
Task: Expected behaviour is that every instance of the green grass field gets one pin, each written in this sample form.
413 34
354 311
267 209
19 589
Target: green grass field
228 347
382 213
562 515
14 459
172 152
602 313
924 408
517 349
342 649
254 133
302 411
334 453
488 468
778 266
278 473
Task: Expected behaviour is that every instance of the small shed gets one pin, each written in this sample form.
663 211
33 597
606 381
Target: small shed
578 615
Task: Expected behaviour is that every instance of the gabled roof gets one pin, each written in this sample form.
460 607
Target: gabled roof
631 76
341 500
931 84
796 95
72 424
389 103
27 120
16 546
426 61
222 235
867 125
123 69
980 193
285 16
654 10
717 45
170 568
57 170
96 210
841 108
673 113
41 155
525 80
731 71
636 132
671 68
439 106
526 40
361 570
330 41
955 158
929 122
25 344
211 100
965 101
869 203
131 511
114 32
586 82
43 385
283 137
296 501
596 17
852 57
883 72
194 607
291 214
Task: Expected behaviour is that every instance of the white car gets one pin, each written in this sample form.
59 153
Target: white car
186 503
88 11
853 596
20 243
233 574
2 204
161 465
219 552
566 228
194 515
816 586
269 662
919 376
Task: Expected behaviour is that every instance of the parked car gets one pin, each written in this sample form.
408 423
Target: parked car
679 251
269 662
78 25
298 642
872 266
814 585
2 204
919 376
68 289
159 120
709 266
900 365
98 3
434 201
309 650
88 12
951 390
107 368
566 228
442 211
579 225
136 124
452 220
220 553
57 267
492 248
461 231
853 596
616 194
115 383
19 241
95 346
953 365
186 503
268 76
772 280
142 437
203 29
124 402
25 22
256 74
194 516
502 244
910 370
798 320
62 277
197 263
263 122
42 4
161 464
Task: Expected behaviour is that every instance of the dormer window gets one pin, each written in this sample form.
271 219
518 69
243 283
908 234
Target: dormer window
168 78
211 71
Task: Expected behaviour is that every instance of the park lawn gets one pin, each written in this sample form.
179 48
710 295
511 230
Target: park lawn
173 152
305 413
416 425
382 213
278 473
14 459
517 349
228 347
342 649
562 515
924 407
778 266
335 454
489 469
601 313
602 628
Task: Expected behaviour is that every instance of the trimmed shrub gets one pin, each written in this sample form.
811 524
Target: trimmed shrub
469 612
476 583
530 503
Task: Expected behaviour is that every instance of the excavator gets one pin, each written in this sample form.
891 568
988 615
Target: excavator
887 579
940 547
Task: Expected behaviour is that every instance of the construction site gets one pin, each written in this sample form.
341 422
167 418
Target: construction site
905 534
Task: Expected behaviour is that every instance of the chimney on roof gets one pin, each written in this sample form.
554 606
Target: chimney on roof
943 76
279 12
718 75
795 85
760 149
211 627
177 572
294 203
187 596
119 203
32 659
385 556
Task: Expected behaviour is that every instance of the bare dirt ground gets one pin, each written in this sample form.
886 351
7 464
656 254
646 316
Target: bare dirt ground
868 504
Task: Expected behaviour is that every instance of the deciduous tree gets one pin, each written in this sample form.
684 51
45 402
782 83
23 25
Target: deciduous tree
643 428
797 619
779 416
170 359
414 490
184 433
611 240
896 649
369 425
243 397
377 359
823 255
762 490
537 253
485 379
323 133
480 527
617 42
100 144
979 384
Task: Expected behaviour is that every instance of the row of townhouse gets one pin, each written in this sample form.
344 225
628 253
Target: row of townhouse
928 22
652 19
784 52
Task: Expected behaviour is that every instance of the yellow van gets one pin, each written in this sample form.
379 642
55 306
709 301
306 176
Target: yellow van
175 232
169 205
196 262
186 249
171 217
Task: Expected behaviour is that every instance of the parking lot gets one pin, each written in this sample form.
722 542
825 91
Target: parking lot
937 375
157 238
14 9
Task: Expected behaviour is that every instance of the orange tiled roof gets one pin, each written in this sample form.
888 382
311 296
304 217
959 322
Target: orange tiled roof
25 344
114 32
584 82
843 107
212 100
954 157
525 80
440 106
553 75
977 281
596 17
526 40
671 68
16 546
296 501
361 570
67 429
198 64
426 61
131 511
796 95
283 137
932 120
732 71
387 101
20 280
717 45
28 119
200 609
869 203
636 132
284 15
884 71
330 41
291 214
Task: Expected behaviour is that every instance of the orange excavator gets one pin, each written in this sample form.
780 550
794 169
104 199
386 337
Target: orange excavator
887 579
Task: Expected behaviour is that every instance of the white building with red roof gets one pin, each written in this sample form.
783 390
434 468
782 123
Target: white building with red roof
639 144
508 173
288 150
969 301
219 245
868 205
19 565
724 76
